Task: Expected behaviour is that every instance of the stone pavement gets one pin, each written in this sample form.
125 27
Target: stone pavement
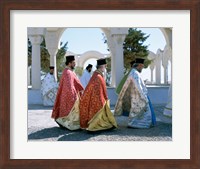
42 128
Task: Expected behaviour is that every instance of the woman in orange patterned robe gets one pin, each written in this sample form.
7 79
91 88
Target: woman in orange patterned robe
66 107
95 112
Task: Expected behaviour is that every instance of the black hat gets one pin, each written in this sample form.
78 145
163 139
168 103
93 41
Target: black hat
139 60
69 59
51 67
89 66
132 62
101 61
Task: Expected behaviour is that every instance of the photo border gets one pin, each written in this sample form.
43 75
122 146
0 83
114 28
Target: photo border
7 6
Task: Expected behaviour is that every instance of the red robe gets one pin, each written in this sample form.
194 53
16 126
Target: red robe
67 94
93 98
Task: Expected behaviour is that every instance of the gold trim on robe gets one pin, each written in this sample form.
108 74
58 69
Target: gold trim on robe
102 120
95 111
66 107
72 120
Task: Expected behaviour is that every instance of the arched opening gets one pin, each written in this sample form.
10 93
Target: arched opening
156 41
87 44
53 37
81 40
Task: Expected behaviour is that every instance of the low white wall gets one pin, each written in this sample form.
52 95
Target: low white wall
34 96
157 94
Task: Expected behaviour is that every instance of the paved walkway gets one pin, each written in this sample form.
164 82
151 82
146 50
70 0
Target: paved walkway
42 128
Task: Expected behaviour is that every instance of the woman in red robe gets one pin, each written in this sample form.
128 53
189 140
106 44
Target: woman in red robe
95 112
66 107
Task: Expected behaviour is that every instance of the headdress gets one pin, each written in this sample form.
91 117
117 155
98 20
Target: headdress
101 61
69 59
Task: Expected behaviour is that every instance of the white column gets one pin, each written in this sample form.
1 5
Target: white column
165 75
36 61
165 61
165 65
152 66
151 76
117 61
152 56
158 66
29 76
52 53
158 71
52 41
168 53
113 75
115 38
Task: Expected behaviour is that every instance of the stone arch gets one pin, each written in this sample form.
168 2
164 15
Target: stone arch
115 38
167 33
112 37
61 30
88 55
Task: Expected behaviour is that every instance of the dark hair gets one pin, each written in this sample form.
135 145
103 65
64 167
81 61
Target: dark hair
99 66
51 67
67 62
69 59
89 66
135 65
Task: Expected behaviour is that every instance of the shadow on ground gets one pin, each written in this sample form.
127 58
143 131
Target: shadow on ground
160 130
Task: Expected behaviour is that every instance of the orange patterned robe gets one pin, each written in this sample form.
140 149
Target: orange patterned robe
67 94
94 110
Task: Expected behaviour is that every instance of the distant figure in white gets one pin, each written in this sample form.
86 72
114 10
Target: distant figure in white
85 78
49 88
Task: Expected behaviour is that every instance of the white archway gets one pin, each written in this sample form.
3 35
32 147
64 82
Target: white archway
115 37
89 54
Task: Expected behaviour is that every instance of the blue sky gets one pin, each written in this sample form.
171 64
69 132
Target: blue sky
81 40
